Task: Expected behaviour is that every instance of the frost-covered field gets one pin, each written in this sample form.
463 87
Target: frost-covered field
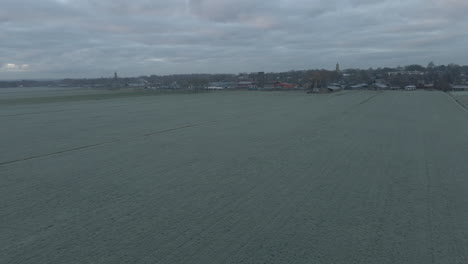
45 91
235 177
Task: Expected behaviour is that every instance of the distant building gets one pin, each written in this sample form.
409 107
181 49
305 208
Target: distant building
243 77
380 86
141 83
115 75
394 73
410 87
360 86
420 84
245 85
334 87
215 88
223 84
460 87
286 85
279 85
337 67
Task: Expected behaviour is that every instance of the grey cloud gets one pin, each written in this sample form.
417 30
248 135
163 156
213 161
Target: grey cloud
224 10
79 38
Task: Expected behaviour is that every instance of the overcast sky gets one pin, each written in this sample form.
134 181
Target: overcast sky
93 38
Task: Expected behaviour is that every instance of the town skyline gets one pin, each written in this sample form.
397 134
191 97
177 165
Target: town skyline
337 66
432 76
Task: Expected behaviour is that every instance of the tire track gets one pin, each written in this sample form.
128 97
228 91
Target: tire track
32 113
121 140
370 98
460 104
101 144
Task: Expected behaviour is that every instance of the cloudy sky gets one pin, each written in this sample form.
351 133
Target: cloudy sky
93 38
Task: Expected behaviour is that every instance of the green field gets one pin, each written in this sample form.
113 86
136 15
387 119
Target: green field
233 177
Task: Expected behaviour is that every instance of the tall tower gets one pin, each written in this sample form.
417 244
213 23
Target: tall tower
115 75
260 80
337 67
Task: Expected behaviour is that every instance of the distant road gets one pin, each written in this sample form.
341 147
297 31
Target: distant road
236 177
